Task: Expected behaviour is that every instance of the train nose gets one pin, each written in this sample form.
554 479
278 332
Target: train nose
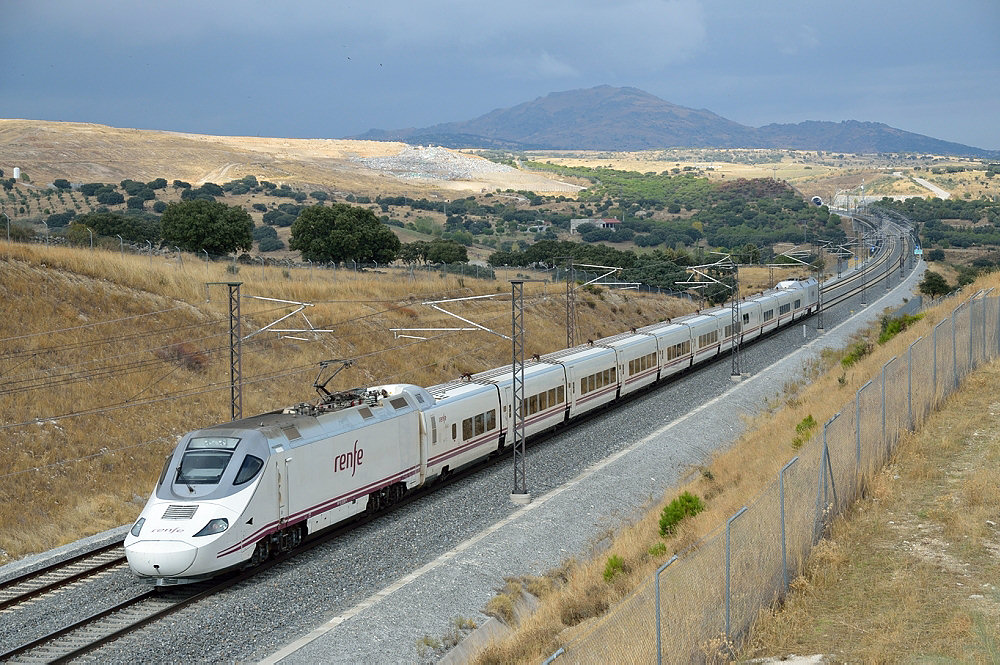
160 558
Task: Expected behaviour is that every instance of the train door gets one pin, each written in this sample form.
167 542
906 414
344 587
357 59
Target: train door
284 466
507 412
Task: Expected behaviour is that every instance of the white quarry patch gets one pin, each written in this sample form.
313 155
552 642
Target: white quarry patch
433 162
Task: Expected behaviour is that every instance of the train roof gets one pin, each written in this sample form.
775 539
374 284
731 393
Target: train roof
576 353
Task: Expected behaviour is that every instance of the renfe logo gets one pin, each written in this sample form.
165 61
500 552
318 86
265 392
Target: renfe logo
349 460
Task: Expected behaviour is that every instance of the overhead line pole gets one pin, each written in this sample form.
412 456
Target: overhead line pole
235 351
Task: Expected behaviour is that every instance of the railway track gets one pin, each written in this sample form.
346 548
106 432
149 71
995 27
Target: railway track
32 585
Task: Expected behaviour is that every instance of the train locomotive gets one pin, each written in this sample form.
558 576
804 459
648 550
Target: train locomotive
236 493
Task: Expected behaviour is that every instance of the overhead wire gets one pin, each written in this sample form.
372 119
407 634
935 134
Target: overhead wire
211 387
216 387
91 325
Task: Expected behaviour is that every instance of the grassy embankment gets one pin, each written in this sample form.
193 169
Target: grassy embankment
573 596
79 335
911 572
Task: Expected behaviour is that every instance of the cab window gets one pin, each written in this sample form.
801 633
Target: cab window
203 467
248 470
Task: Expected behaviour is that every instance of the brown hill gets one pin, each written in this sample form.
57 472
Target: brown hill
81 152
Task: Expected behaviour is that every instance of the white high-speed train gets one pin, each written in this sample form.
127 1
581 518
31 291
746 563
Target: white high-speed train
235 493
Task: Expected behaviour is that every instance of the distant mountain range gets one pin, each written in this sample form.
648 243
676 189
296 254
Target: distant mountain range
608 118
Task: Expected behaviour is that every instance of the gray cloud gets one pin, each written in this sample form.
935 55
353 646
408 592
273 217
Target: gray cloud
318 68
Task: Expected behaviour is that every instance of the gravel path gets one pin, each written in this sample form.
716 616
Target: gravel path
463 539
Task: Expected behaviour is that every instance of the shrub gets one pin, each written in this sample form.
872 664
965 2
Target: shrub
892 326
803 431
856 352
110 198
614 566
685 505
185 355
271 244
260 207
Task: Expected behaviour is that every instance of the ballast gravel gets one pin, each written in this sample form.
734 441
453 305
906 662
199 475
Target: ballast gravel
252 621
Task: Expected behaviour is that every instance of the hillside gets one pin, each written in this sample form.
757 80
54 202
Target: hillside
107 359
609 118
81 152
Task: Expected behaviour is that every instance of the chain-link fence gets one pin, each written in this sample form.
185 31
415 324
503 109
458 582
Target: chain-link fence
701 603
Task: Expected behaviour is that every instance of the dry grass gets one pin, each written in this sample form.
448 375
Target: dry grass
911 572
730 481
48 150
68 476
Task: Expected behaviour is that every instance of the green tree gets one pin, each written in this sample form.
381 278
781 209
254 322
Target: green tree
134 228
340 233
934 285
446 251
61 183
412 252
207 225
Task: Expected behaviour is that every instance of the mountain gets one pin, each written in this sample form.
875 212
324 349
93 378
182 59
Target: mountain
609 118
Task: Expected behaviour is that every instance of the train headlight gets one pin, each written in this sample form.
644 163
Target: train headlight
218 525
137 527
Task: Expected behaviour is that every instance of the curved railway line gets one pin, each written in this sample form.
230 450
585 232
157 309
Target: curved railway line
85 635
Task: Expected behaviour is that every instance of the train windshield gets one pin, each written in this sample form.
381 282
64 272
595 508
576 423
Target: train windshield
203 467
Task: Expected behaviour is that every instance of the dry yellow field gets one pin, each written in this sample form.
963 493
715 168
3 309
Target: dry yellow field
809 172
107 359
82 152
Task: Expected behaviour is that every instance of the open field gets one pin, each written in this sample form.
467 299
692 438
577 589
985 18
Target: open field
81 152
107 359
812 173
953 501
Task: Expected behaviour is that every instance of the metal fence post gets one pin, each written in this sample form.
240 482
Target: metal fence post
826 453
885 433
781 499
857 425
954 349
972 332
820 489
729 524
659 571
909 382
934 379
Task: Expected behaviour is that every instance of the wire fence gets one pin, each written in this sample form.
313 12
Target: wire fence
702 602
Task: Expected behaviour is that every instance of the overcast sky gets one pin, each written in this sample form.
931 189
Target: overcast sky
335 69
